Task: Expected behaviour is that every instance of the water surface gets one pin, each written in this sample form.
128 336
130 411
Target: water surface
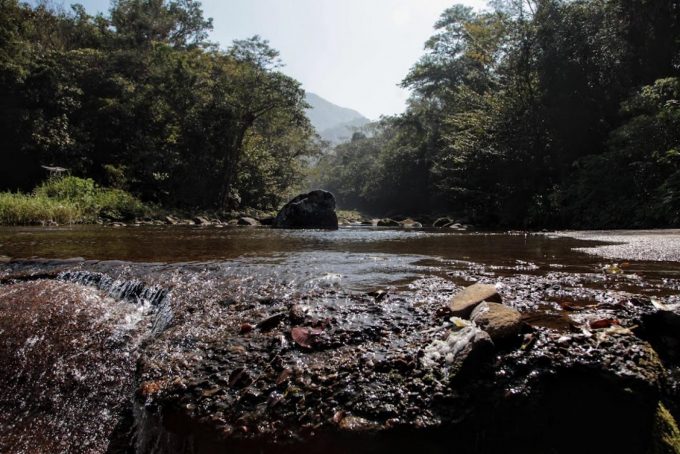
354 257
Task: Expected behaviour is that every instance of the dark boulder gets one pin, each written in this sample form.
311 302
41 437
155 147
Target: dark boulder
387 222
314 210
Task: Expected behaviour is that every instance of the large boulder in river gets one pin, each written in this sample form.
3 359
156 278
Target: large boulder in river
314 210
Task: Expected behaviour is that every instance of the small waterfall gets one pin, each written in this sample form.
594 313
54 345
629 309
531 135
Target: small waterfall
133 290
156 298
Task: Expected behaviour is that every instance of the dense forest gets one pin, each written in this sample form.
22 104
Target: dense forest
532 113
535 113
139 100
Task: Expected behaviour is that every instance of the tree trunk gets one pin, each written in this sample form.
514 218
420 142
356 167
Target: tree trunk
230 161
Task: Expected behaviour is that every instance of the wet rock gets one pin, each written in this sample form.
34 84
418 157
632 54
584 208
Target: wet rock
271 322
661 327
410 224
503 323
171 220
356 424
608 382
314 210
463 303
305 337
247 221
201 220
462 352
400 377
666 435
387 222
68 358
457 226
443 222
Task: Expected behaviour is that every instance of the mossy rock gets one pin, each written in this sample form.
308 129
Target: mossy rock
666 435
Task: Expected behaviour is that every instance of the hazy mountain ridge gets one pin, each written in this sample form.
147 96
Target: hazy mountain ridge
332 122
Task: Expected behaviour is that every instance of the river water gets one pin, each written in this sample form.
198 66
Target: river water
97 322
356 258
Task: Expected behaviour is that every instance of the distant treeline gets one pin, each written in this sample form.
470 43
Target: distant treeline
139 100
535 113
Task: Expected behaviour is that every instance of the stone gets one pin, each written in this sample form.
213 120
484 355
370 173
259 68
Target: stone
387 222
501 322
442 222
268 220
410 224
247 221
463 303
462 352
171 220
314 210
201 220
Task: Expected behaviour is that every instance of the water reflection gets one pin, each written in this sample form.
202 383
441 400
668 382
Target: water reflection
349 257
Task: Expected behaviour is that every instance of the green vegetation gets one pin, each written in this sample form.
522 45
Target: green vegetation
556 113
69 200
92 201
666 436
22 209
139 101
534 113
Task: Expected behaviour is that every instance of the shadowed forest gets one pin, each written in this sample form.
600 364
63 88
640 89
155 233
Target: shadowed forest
546 113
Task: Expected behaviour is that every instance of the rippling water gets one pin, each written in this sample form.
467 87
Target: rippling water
355 258
75 327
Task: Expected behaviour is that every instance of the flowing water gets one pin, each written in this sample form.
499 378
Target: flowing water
355 258
94 318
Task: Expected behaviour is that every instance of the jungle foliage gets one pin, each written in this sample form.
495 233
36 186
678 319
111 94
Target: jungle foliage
532 113
139 100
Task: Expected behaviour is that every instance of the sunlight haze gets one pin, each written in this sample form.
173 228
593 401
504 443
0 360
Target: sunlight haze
353 53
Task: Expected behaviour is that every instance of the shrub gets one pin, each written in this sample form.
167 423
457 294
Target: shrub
93 201
118 204
22 209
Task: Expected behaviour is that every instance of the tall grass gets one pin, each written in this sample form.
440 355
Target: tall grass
93 201
67 200
22 209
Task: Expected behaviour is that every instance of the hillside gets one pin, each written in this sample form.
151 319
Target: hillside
332 122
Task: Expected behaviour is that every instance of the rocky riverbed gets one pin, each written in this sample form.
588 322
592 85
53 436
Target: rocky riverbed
239 356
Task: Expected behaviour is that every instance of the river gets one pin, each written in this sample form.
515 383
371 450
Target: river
354 258
138 339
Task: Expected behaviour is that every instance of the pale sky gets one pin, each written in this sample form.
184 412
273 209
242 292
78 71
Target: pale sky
351 52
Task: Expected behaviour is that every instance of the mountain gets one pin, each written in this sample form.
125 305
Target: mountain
332 122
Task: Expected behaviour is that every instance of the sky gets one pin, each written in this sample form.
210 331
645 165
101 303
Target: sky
353 53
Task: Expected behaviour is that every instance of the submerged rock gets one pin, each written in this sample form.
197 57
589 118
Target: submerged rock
68 356
314 210
463 303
